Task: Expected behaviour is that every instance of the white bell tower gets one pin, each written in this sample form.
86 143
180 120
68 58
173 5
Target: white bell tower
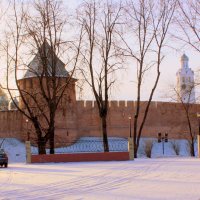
185 82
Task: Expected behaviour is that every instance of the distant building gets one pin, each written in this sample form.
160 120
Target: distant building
185 82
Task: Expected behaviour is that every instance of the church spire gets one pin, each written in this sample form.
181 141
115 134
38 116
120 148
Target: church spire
185 82
184 62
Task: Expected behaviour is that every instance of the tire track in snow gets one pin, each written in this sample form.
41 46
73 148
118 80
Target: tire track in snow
7 181
52 190
87 183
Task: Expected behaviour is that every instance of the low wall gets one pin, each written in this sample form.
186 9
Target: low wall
80 157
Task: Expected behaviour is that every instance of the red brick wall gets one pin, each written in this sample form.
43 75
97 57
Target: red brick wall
81 119
163 117
10 124
81 157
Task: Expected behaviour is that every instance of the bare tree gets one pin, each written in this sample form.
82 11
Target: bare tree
184 94
148 22
187 107
4 7
101 21
188 20
39 30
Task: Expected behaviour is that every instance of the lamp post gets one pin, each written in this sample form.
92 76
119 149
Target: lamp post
130 126
28 135
130 142
198 136
163 139
28 145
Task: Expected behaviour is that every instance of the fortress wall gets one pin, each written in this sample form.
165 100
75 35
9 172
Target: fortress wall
88 122
65 121
13 125
66 124
163 117
81 119
10 124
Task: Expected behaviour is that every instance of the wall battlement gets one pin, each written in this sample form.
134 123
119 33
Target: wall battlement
129 104
84 120
163 117
10 114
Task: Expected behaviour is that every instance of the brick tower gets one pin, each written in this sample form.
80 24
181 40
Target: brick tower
65 121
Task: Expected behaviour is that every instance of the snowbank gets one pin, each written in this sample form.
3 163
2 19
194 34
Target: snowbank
16 149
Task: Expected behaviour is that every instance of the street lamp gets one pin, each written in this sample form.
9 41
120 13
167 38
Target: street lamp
130 126
130 142
28 135
163 139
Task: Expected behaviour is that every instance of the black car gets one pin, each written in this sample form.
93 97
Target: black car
3 158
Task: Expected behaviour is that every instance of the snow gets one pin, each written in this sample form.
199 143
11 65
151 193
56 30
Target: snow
142 179
174 177
91 144
15 149
95 144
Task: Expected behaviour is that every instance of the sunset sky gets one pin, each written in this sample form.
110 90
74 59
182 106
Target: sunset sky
125 88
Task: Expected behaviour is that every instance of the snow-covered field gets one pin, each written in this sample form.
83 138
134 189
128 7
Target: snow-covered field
157 178
146 179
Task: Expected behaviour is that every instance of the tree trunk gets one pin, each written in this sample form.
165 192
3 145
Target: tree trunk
192 148
104 132
52 141
135 149
135 135
41 140
41 146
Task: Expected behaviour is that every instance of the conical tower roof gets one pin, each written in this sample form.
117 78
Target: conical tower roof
37 68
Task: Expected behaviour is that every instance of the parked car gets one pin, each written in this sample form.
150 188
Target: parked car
3 158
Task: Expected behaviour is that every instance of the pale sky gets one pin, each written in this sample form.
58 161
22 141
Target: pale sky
125 89
126 86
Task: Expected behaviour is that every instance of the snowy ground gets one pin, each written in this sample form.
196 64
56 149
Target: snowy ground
16 149
173 177
142 179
